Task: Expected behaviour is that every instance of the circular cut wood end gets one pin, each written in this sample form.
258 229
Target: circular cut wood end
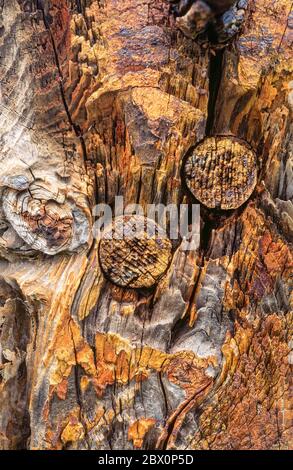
134 252
221 172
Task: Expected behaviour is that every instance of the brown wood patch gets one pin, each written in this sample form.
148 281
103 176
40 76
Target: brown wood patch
134 260
221 172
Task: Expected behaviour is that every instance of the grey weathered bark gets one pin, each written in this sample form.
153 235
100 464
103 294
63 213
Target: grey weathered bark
106 98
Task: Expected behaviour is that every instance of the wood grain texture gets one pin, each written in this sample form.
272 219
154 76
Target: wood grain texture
104 99
221 172
134 252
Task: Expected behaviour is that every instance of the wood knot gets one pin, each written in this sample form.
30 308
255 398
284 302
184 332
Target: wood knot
49 220
134 252
44 220
221 172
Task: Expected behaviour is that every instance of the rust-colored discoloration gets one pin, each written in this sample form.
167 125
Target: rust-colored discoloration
221 172
260 401
276 256
57 231
106 100
117 363
73 431
138 430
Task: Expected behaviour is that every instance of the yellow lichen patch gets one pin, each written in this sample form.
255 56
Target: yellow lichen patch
65 360
118 361
139 429
70 349
149 358
69 430
72 432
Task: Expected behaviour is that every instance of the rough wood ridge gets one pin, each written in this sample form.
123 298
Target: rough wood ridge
175 349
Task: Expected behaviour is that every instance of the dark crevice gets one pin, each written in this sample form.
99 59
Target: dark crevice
164 394
215 77
181 8
77 389
79 7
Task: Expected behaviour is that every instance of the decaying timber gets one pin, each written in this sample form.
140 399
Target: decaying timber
220 20
45 221
106 98
134 260
221 172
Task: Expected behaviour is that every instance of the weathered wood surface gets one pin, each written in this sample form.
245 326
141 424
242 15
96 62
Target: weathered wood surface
134 261
105 98
221 172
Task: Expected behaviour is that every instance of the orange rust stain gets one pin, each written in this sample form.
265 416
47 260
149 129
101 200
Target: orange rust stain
123 295
60 27
138 430
117 361
258 388
276 255
70 349
253 268
61 389
67 431
73 431
188 371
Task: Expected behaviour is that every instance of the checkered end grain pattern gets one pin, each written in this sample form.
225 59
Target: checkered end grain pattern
221 172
